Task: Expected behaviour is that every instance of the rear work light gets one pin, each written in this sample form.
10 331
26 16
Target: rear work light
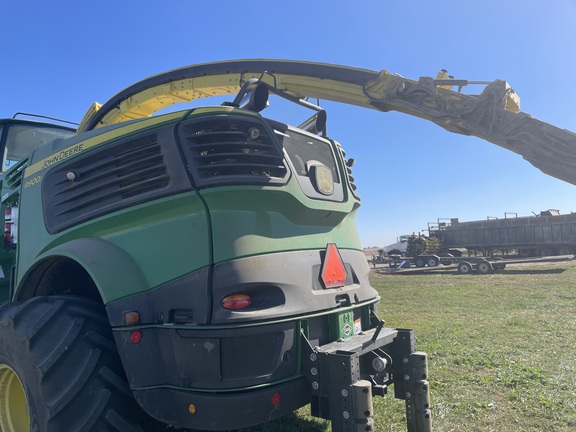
333 272
236 301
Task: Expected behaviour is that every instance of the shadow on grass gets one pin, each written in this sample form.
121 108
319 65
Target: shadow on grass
288 423
533 271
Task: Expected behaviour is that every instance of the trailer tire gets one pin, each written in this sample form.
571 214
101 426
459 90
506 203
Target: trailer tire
419 262
59 369
464 267
484 267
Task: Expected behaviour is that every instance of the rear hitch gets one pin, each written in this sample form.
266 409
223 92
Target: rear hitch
346 374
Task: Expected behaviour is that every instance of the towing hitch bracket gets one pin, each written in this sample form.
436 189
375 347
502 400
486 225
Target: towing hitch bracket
343 382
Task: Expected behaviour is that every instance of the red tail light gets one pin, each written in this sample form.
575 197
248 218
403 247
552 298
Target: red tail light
236 301
333 270
135 337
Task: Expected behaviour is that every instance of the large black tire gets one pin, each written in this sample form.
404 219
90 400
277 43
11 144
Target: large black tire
60 353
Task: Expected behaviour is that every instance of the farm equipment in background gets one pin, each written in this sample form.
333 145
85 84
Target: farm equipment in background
398 248
546 234
423 245
204 265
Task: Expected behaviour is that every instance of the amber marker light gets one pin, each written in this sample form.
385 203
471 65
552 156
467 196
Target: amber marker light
236 301
131 318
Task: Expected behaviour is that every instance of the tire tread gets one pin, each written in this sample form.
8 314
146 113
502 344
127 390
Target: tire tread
68 361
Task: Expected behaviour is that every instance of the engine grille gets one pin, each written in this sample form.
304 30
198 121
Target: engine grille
107 180
232 150
349 176
14 177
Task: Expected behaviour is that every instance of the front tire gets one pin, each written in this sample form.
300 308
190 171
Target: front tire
59 353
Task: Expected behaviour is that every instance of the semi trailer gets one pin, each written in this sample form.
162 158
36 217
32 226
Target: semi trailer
543 234
483 245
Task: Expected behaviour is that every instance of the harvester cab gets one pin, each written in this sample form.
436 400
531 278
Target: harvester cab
18 139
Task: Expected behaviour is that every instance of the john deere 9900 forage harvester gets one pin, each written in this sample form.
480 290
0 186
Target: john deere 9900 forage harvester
203 266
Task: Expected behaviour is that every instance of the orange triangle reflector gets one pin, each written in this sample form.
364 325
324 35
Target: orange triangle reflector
333 272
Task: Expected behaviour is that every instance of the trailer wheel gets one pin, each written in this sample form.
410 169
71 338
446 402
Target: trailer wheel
484 267
59 369
419 262
464 267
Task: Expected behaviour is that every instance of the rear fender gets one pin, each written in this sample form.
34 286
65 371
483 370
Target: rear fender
110 267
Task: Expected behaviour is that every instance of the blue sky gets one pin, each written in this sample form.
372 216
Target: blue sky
59 57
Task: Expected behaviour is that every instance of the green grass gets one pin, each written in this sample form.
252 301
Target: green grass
501 349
